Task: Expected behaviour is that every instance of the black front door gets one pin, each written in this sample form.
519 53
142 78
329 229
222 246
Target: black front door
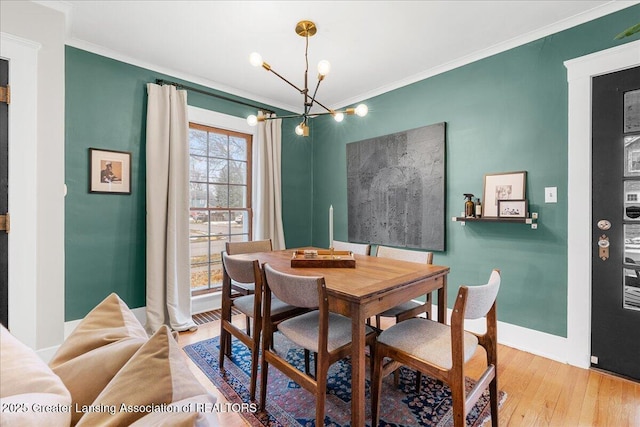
4 199
615 311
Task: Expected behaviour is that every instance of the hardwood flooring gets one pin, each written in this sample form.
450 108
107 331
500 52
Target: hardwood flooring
541 392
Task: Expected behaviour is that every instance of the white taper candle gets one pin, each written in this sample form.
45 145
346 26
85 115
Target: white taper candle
331 226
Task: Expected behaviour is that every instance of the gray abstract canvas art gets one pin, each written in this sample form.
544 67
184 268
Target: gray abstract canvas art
396 189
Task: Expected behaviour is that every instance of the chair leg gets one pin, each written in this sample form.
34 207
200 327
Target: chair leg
248 325
264 368
458 402
223 347
376 386
493 400
418 381
321 391
307 369
378 321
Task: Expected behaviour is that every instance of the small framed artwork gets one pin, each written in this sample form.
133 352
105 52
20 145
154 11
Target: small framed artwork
109 171
502 186
512 208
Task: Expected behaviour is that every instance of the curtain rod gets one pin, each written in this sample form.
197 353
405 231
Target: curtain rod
204 92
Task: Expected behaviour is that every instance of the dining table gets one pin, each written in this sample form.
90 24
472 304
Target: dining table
374 285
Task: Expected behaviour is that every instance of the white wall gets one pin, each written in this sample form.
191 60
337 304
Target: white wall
44 307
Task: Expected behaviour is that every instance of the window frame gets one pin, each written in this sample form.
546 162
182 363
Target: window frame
207 121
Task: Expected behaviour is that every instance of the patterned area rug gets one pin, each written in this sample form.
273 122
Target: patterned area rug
290 405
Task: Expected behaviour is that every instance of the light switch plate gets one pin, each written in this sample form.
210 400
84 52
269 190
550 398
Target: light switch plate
551 194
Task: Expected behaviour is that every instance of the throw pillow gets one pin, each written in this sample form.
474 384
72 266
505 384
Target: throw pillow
30 393
154 377
96 350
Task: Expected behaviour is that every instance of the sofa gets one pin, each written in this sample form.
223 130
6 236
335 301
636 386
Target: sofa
108 372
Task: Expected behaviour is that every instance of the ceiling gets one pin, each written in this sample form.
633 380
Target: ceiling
373 46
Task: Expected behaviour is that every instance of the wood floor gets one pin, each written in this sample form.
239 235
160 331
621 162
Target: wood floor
541 392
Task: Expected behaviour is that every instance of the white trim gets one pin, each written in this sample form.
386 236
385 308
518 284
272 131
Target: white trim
206 302
579 74
103 51
589 15
23 77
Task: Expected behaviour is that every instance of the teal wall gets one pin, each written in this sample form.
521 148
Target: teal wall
105 234
504 113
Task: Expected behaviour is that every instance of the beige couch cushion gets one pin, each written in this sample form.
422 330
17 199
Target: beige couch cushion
29 388
96 350
157 374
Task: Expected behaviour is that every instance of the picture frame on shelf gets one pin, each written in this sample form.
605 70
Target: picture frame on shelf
513 208
109 171
502 186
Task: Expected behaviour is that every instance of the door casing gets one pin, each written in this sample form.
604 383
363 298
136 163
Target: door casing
579 74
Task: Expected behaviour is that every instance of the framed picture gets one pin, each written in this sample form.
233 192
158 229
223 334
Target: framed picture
109 171
502 186
512 208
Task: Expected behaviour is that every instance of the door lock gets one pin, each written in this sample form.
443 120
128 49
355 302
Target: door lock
603 243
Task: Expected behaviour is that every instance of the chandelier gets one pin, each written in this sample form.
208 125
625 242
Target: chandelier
305 29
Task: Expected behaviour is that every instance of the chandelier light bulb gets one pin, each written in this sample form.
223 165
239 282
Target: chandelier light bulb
299 129
252 120
338 117
255 59
324 67
362 110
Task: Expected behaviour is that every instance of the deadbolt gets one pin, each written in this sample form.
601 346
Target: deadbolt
603 224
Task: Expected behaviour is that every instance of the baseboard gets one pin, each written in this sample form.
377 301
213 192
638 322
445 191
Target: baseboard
535 342
539 343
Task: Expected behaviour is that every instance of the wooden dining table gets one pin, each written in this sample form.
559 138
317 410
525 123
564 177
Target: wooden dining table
373 286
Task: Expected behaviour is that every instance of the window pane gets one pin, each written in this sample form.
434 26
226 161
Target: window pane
218 196
237 172
631 200
237 196
218 170
240 223
197 195
632 155
237 148
218 145
632 243
197 142
197 168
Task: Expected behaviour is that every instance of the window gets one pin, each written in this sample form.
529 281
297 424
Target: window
220 199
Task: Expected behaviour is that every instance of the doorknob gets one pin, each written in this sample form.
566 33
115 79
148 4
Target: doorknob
603 243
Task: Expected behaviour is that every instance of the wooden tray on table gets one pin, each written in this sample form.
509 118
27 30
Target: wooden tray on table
323 259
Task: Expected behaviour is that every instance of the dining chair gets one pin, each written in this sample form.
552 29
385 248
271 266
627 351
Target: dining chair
356 248
441 351
320 331
237 248
407 309
247 271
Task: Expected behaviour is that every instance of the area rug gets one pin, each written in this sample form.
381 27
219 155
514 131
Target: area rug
290 405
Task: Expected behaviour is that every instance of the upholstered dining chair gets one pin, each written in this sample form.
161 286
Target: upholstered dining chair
319 331
407 309
441 351
236 248
356 248
246 271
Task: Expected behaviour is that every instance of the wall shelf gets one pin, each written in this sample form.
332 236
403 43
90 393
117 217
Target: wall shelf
533 221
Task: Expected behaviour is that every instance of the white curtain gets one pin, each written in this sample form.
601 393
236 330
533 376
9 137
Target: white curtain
267 195
168 270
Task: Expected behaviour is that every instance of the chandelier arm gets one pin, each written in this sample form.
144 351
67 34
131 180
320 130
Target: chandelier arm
287 81
329 110
291 116
313 98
